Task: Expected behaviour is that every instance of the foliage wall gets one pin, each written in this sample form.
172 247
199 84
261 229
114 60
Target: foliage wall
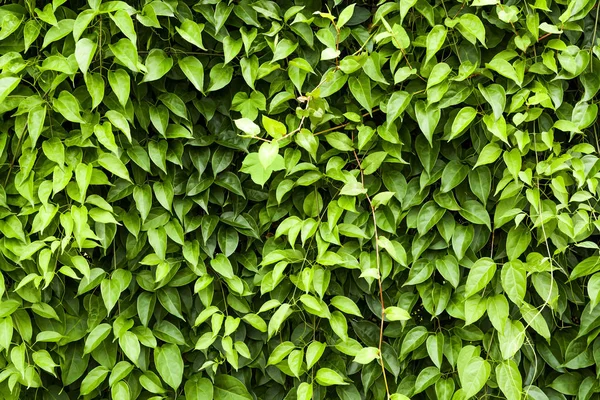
320 200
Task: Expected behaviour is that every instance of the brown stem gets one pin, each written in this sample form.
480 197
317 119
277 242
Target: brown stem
337 45
300 124
14 159
308 97
544 36
378 261
342 125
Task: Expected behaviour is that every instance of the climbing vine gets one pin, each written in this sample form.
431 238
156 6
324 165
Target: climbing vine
310 200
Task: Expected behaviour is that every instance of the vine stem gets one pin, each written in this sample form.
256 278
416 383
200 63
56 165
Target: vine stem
14 159
544 36
594 36
378 262
342 125
306 98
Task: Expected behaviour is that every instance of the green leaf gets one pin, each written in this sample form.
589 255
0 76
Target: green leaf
284 49
191 32
413 339
496 96
435 347
126 53
68 106
111 290
194 71
157 65
366 355
231 48
249 68
449 269
476 213
119 82
435 40
360 87
125 24
428 118
93 379
278 318
229 388
247 126
7 85
535 320
480 275
345 15
95 87
438 74
85 49
105 137
274 128
589 266
199 389
345 305
169 364
474 375
120 122
461 122
474 27
142 196
396 105
593 289
130 345
58 31
280 352
480 182
329 377
170 300
505 69
427 377
220 76
509 379
393 313
454 173
314 352
497 309
514 281
44 360
429 215
490 153
517 241
222 266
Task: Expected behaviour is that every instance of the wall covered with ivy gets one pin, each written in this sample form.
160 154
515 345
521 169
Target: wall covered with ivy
314 200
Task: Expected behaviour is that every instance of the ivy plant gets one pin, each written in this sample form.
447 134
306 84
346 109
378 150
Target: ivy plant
283 200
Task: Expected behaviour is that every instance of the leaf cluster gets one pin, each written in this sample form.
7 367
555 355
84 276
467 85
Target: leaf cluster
296 201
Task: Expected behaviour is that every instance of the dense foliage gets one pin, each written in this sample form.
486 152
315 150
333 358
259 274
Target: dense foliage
321 200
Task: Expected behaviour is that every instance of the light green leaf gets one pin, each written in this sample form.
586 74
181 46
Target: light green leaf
361 90
509 379
480 275
169 364
191 32
85 50
93 379
220 76
474 27
329 377
435 40
120 82
126 53
157 65
461 122
194 71
229 388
